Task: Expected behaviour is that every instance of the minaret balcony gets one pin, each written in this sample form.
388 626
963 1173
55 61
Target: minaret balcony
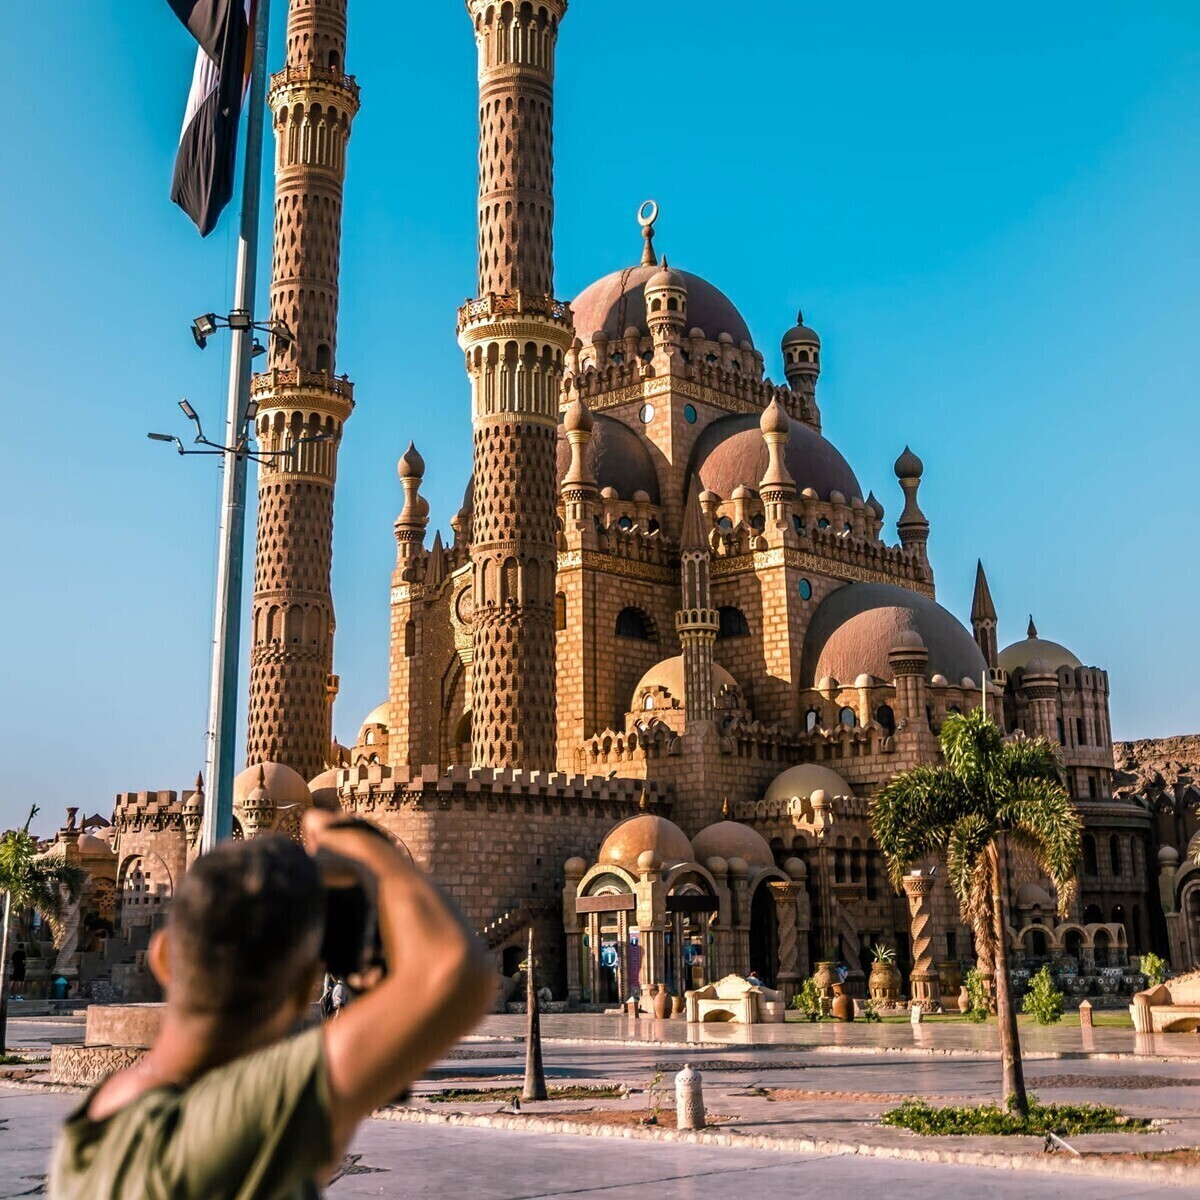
293 388
514 306
315 83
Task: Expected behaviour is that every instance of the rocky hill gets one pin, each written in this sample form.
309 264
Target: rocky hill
1156 763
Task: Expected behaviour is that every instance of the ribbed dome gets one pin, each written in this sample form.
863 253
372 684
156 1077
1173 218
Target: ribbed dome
646 831
1021 654
804 779
618 300
731 453
284 786
324 791
854 628
617 458
668 675
732 839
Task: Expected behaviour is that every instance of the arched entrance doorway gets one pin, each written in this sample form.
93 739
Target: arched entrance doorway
764 936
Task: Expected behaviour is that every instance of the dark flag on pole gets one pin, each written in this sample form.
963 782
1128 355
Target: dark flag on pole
204 165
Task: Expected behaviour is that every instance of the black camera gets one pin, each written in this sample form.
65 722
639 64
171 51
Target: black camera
351 944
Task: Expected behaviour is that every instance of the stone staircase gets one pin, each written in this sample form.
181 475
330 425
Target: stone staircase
496 932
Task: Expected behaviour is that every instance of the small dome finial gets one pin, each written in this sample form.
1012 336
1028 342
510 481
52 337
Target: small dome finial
411 464
647 214
643 803
725 811
1032 630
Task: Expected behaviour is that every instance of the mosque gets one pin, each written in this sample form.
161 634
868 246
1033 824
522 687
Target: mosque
641 694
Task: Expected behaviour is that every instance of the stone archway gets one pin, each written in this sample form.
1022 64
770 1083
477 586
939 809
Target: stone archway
764 935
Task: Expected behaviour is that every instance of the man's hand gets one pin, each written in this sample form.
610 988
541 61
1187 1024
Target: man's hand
438 984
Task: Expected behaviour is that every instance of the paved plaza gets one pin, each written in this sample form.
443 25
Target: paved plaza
815 1090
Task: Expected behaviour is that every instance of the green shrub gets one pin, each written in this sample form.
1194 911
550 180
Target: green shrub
977 990
1154 968
1067 1120
871 1012
808 999
1043 1001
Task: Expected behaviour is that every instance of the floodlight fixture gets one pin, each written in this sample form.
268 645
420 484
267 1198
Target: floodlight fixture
203 327
240 320
251 410
280 330
188 410
161 437
257 350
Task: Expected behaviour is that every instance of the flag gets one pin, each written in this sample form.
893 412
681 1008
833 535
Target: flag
205 161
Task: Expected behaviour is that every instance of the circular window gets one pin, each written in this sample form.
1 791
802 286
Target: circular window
805 589
625 523
646 413
823 523
689 413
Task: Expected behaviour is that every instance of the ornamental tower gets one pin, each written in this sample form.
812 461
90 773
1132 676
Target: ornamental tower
302 405
515 336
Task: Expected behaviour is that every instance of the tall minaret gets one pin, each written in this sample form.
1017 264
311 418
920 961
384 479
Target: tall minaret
983 617
291 659
515 336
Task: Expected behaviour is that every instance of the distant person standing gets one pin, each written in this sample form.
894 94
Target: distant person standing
16 980
339 997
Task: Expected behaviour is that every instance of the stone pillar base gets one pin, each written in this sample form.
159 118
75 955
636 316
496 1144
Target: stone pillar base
926 991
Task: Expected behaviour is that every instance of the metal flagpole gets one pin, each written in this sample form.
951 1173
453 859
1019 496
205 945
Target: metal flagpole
227 619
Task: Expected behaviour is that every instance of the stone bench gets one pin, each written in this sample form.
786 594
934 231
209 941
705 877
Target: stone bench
735 999
1171 1007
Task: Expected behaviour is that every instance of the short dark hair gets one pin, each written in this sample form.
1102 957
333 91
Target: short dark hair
245 927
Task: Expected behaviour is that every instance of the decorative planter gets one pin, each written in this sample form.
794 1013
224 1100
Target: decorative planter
842 1007
825 976
964 999
677 1005
884 983
949 977
662 1003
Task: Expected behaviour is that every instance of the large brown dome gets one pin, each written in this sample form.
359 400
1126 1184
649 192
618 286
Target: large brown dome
617 456
854 628
731 453
618 300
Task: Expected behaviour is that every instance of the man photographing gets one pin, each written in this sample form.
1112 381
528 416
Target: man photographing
230 1101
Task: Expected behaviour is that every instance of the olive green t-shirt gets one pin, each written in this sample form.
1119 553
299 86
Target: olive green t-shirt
256 1128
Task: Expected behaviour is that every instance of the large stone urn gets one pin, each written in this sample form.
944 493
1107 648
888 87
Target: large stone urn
825 977
884 983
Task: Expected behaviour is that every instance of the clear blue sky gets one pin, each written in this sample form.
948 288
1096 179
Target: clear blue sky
989 213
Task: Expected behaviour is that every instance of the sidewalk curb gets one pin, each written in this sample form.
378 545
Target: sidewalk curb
1166 1173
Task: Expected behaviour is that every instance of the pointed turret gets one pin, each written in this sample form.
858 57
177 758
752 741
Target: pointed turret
983 617
913 525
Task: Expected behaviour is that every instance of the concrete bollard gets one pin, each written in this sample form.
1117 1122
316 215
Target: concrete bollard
916 1014
1085 1014
689 1099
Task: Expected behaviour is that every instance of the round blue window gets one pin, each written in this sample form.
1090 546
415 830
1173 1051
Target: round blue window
805 589
689 413
823 523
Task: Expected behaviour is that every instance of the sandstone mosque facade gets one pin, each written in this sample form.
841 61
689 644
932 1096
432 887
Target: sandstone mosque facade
640 696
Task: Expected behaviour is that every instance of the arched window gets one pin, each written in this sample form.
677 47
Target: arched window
733 622
1114 854
1090 865
848 717
1080 732
324 358
886 718
633 623
812 719
560 610
410 639
1062 734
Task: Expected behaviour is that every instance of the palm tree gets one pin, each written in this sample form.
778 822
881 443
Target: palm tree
987 794
46 885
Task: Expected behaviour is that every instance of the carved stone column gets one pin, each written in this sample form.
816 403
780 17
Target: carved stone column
924 988
788 977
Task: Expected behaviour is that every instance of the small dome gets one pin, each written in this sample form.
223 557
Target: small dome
804 779
1168 856
1020 655
1031 895
909 466
668 675
377 716
666 278
618 301
90 846
774 419
856 626
283 785
411 463
1039 666
324 791
635 835
732 839
617 457
731 451
939 681
577 417
800 334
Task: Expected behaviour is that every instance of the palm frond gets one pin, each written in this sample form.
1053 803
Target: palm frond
970 743
1043 820
967 840
912 816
